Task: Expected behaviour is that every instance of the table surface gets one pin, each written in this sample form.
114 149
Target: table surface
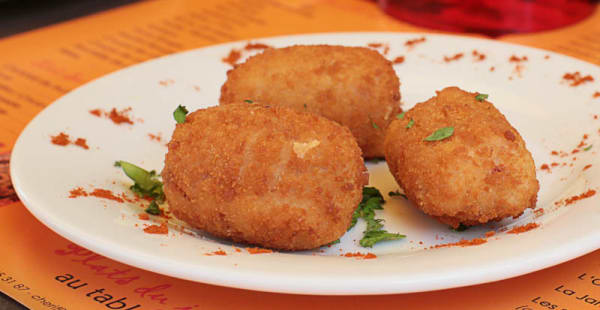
18 16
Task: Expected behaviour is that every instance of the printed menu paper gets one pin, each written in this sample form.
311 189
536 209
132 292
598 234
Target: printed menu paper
42 270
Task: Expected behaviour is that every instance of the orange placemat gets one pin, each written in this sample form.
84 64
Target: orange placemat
44 271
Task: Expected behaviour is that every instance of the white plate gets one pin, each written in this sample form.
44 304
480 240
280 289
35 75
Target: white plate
548 113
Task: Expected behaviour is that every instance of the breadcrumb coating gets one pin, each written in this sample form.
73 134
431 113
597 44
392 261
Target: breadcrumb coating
264 175
354 86
483 172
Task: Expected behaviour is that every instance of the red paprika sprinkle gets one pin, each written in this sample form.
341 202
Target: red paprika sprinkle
61 139
398 60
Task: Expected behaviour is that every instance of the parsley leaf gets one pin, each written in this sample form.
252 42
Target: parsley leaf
588 148
153 208
372 237
481 97
373 124
248 101
146 183
179 114
440 134
397 193
400 116
372 200
410 123
333 242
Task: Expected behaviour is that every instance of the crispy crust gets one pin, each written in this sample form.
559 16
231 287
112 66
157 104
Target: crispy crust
264 175
483 172
354 86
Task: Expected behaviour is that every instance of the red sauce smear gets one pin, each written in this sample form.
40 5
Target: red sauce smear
414 41
96 112
538 212
545 167
219 252
453 58
118 117
581 196
82 143
577 79
370 256
398 60
155 137
106 194
514 58
166 82
100 193
360 255
258 250
385 47
478 56
62 139
523 228
233 57
492 68
77 192
490 233
461 243
143 216
596 94
256 46
155 229
587 167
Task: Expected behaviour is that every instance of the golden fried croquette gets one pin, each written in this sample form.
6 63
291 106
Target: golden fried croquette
264 175
354 86
482 172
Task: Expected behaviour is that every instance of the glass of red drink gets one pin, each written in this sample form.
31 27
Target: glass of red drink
490 17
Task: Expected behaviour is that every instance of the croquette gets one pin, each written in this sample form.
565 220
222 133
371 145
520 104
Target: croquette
482 172
264 175
354 86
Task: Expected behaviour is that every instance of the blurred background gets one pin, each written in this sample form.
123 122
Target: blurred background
490 17
22 15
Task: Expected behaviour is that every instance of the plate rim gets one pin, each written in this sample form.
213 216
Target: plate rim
274 284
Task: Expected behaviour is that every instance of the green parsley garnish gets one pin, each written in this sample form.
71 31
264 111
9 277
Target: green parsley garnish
373 124
397 193
400 116
248 101
179 114
440 134
372 200
373 236
481 97
305 106
333 242
146 184
588 148
153 208
410 123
